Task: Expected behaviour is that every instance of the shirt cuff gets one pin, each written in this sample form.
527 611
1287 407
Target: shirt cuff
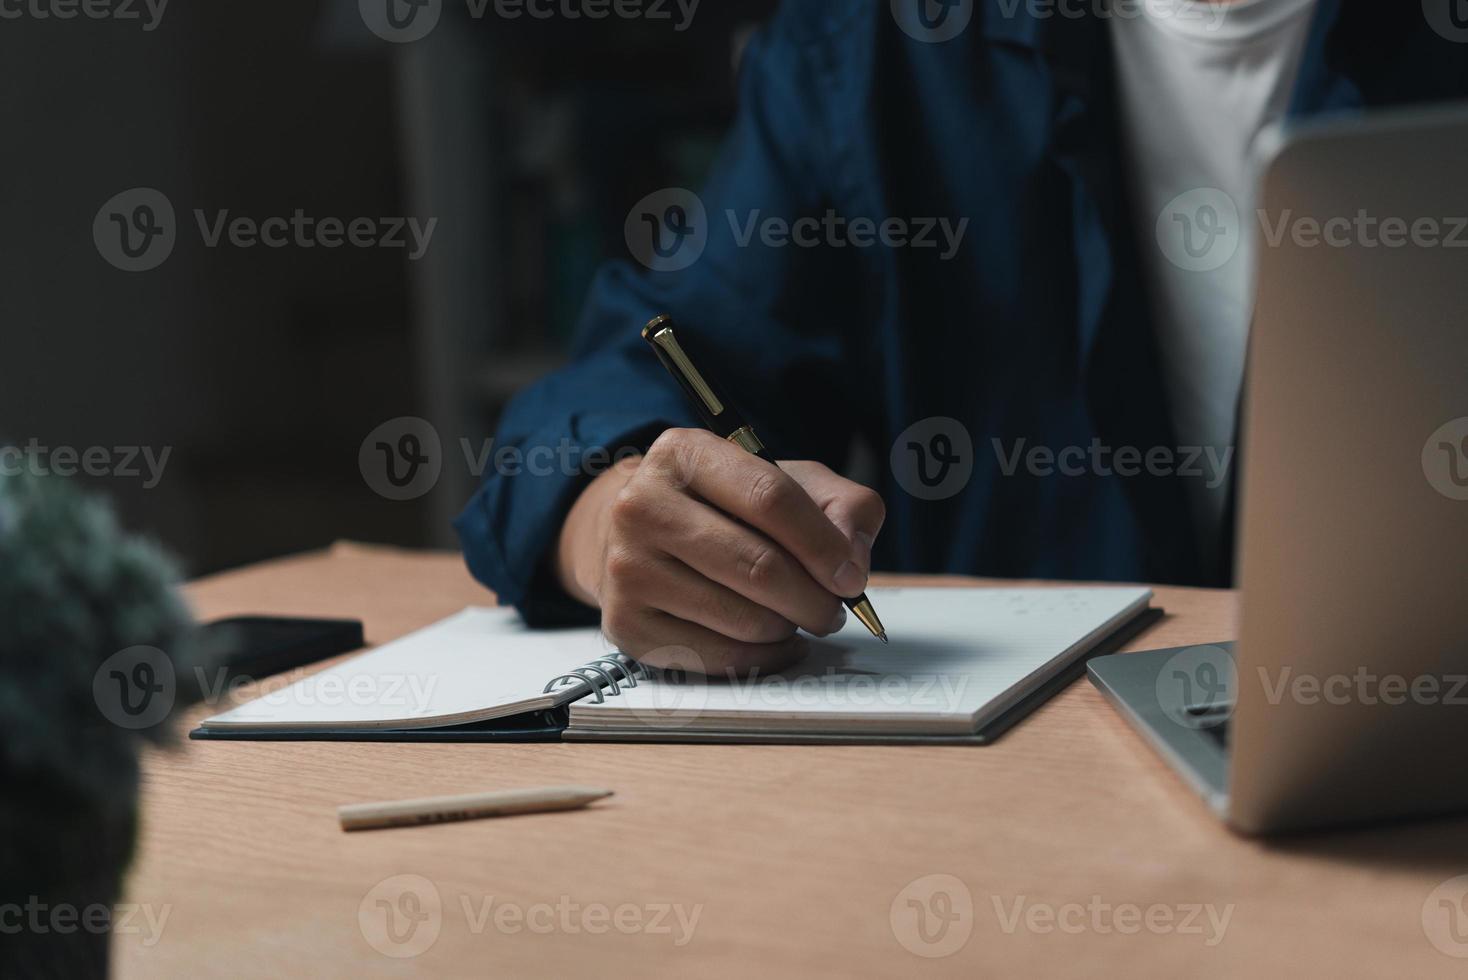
510 527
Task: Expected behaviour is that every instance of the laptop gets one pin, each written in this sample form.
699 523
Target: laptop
1344 697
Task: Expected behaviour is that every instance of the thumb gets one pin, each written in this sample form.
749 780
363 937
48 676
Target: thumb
856 510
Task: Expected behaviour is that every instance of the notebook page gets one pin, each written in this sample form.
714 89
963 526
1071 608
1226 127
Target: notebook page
956 657
473 666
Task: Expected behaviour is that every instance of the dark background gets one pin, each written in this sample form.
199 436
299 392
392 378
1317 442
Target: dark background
263 369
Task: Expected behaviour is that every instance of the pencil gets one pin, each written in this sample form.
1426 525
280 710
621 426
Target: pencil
470 806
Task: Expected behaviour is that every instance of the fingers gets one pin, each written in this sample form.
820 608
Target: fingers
707 548
665 584
763 496
654 526
858 511
660 640
750 564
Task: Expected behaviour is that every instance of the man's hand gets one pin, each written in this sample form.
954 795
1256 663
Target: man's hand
701 545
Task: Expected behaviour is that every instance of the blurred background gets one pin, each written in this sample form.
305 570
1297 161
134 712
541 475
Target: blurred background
261 370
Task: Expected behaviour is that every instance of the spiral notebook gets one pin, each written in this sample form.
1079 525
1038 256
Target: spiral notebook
962 665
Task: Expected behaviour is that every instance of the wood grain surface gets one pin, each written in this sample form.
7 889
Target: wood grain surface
1067 849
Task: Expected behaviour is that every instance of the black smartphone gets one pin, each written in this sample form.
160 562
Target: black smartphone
259 646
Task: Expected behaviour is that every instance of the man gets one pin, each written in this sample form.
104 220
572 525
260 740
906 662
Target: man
1049 385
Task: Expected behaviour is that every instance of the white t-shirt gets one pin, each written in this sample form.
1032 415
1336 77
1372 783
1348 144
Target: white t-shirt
1198 82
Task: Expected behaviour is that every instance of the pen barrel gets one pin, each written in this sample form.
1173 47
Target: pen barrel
714 408
710 421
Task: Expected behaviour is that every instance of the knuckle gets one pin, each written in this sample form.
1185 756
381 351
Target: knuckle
623 567
630 507
768 494
676 453
672 442
761 568
870 503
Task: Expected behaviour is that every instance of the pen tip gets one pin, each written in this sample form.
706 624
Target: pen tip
883 637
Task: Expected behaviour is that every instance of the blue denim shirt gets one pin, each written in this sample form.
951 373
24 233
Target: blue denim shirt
1029 332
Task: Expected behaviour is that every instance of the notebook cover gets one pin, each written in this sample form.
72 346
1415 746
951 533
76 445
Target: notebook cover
533 726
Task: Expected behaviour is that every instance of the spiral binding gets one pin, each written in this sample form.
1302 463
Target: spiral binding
631 671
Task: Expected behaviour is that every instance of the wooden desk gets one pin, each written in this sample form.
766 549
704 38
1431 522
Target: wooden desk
793 856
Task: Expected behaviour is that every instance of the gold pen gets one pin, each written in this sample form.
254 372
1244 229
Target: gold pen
724 420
